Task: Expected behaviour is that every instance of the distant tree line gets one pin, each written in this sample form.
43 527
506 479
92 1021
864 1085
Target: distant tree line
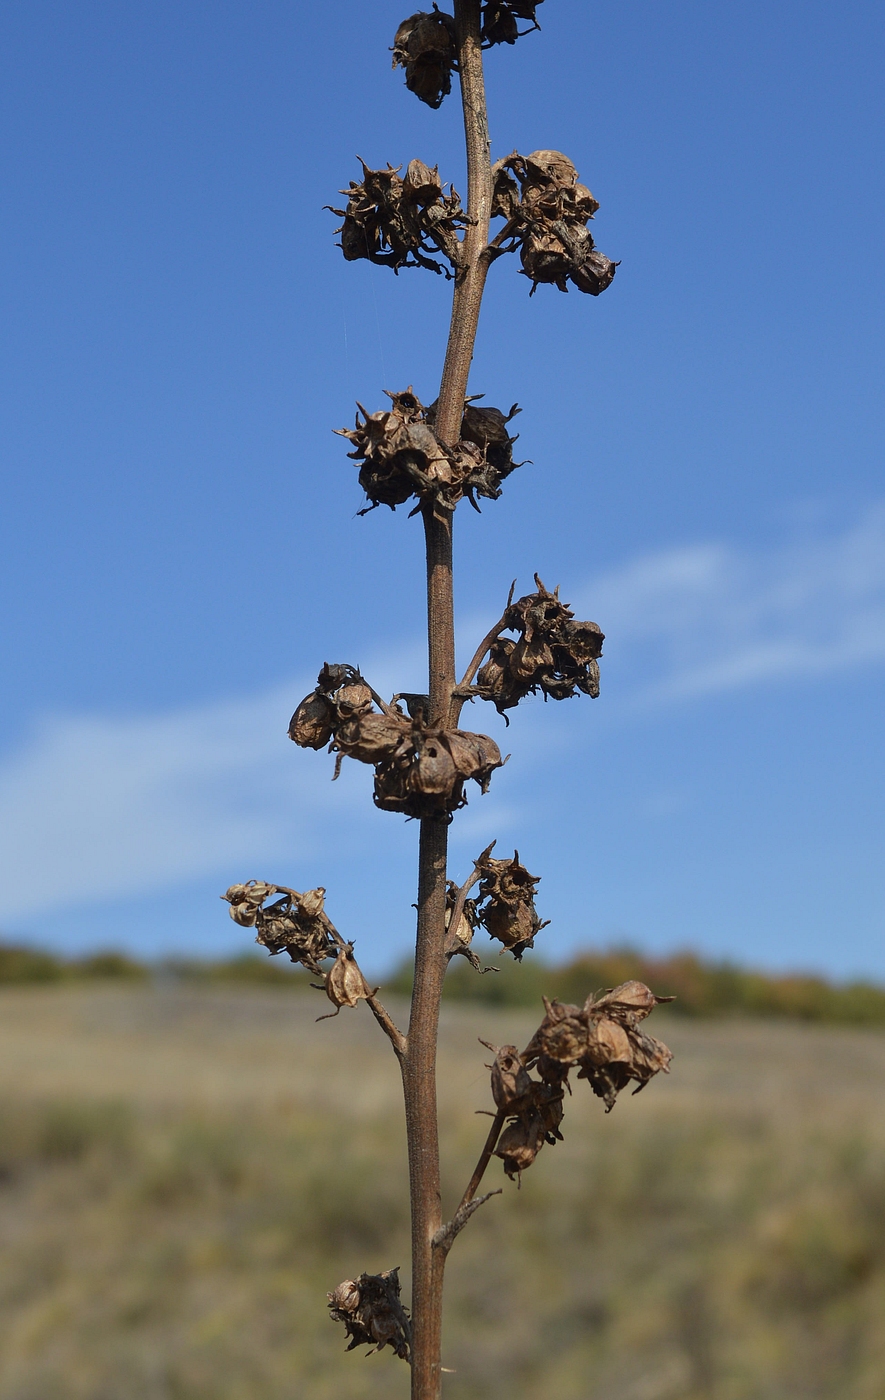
702 988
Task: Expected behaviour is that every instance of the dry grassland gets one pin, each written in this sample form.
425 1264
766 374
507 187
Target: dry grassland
185 1172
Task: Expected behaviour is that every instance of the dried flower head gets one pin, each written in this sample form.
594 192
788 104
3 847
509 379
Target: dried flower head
295 923
511 1082
419 771
603 1038
401 456
553 653
547 211
424 45
506 904
372 1313
425 775
499 20
536 1120
400 223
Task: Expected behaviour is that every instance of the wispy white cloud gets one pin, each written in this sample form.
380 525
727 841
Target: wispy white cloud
710 618
97 807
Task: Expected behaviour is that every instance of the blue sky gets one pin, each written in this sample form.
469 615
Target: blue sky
181 545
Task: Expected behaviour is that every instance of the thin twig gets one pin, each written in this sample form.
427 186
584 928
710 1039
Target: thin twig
454 942
485 1157
387 1024
446 1234
487 642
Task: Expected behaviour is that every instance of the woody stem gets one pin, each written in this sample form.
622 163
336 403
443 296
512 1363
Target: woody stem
419 1059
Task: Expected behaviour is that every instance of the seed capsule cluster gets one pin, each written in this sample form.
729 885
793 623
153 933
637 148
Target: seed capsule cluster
401 457
419 770
294 923
553 653
505 907
400 222
425 43
297 924
372 1313
547 211
602 1039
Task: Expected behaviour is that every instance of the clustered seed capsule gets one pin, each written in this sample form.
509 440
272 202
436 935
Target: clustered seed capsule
295 923
505 908
372 1313
424 45
402 457
499 20
547 211
399 222
553 653
419 771
602 1038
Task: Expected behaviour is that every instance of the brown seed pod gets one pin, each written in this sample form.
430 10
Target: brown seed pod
295 923
312 724
372 1313
511 1083
506 904
402 457
345 984
547 211
499 20
520 1142
553 653
401 223
424 45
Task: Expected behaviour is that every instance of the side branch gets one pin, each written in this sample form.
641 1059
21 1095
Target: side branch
446 1235
387 1024
467 679
485 1157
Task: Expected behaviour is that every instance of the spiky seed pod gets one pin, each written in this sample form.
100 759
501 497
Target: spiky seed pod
603 1038
401 456
553 653
424 45
345 984
295 923
548 209
372 1313
426 775
506 903
400 223
499 20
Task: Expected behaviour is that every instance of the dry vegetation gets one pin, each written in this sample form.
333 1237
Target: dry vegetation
184 1172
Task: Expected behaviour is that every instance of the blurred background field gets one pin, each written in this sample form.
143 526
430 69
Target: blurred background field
186 1167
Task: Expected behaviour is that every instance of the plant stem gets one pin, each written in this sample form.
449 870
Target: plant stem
419 1059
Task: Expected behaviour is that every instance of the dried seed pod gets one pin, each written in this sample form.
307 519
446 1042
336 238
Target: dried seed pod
499 20
295 923
246 900
400 223
372 1313
561 1036
312 724
553 654
370 737
511 1083
424 45
401 456
520 1142
548 221
506 903
345 984
630 1003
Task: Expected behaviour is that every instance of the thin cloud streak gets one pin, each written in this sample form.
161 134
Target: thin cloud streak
99 807
709 618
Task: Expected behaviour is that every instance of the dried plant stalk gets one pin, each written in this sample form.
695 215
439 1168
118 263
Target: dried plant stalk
437 456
